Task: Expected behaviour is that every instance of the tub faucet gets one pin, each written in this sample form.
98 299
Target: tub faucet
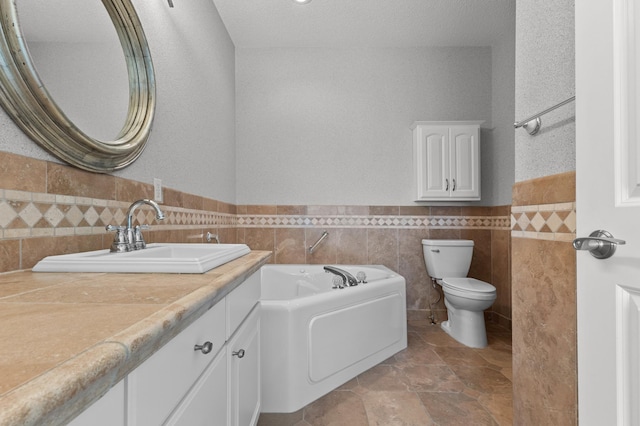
347 278
127 237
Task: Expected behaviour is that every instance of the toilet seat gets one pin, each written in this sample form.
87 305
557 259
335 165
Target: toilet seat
469 288
468 284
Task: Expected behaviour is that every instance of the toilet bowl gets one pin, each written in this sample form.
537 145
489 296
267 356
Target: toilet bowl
448 262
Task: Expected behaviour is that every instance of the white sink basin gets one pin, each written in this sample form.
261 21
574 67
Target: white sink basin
159 258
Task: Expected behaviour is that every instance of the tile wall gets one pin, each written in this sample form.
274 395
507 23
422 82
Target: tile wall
544 301
390 236
47 208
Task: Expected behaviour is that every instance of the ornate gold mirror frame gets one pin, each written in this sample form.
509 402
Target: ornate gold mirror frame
26 100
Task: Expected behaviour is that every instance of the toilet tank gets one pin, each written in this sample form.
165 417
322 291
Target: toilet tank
447 258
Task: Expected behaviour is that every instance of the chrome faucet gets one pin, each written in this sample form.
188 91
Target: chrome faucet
129 238
347 278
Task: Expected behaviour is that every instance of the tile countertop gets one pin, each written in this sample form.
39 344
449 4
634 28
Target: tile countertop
66 339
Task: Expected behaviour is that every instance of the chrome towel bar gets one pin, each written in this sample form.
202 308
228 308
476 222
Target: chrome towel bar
532 124
324 235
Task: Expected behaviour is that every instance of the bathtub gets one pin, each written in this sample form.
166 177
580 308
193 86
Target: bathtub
315 338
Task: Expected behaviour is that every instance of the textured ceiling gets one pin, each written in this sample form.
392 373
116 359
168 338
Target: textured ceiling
367 23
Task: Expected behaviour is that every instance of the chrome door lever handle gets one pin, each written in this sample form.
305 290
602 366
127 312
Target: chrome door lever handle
600 244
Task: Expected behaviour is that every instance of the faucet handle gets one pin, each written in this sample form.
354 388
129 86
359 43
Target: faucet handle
211 237
121 240
137 242
338 282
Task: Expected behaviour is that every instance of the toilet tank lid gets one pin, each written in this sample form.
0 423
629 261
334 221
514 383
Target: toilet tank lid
458 243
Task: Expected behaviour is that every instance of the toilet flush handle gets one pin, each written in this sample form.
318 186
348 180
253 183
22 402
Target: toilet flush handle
435 250
600 244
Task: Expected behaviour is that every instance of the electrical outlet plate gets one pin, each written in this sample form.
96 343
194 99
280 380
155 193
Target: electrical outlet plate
157 190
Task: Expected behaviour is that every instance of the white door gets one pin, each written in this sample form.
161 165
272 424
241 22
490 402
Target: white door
608 197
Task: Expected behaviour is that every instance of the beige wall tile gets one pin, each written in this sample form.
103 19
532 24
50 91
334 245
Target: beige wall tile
67 180
9 255
130 191
544 330
351 247
481 261
501 272
382 248
35 249
22 173
558 188
290 246
291 210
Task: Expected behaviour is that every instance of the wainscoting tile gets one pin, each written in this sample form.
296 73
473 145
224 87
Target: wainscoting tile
22 173
290 246
67 180
382 247
130 191
351 245
559 188
34 249
501 272
481 262
9 255
544 329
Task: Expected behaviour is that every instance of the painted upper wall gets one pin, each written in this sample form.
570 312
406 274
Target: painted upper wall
332 126
499 164
192 144
545 74
297 142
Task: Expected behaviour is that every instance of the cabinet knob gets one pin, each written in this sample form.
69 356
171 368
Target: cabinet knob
206 348
239 353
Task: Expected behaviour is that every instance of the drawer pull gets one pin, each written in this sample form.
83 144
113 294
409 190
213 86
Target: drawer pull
206 348
239 353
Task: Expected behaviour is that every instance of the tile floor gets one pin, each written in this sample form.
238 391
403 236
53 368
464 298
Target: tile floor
435 381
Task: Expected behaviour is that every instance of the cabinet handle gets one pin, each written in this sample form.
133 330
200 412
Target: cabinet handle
454 185
206 348
447 181
239 353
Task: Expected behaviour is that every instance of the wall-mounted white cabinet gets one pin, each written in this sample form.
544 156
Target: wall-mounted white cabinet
446 157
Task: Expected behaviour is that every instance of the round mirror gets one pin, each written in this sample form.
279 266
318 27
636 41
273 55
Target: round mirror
61 125
73 44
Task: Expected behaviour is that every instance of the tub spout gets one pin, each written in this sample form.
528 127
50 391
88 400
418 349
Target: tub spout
347 278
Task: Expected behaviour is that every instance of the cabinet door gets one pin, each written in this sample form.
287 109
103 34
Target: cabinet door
107 411
243 352
432 165
465 162
206 403
157 386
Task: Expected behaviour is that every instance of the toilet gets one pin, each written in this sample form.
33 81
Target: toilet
448 262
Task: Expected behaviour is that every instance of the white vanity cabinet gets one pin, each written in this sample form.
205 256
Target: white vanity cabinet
107 411
218 384
446 160
163 383
243 354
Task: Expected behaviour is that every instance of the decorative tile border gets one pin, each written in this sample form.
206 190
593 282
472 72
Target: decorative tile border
544 222
29 214
375 221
